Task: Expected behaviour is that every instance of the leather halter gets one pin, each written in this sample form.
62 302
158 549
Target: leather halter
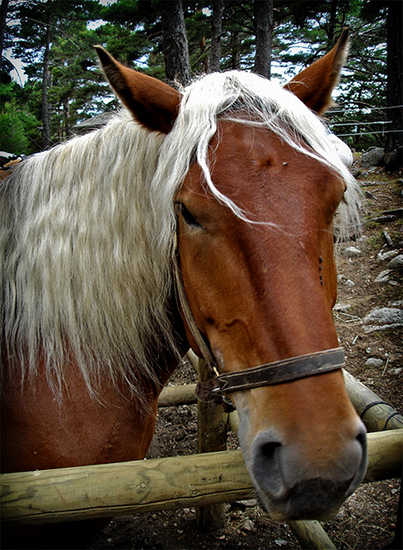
268 374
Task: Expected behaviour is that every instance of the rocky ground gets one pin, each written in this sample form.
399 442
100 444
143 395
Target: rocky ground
369 320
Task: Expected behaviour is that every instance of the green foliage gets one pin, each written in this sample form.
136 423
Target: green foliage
132 31
18 127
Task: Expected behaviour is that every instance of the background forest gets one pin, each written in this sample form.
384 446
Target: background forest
61 85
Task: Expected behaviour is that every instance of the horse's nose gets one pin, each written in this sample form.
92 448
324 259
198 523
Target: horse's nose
295 486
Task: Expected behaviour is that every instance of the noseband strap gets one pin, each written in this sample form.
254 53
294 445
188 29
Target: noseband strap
268 374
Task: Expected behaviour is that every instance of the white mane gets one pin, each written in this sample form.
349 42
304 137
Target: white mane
86 237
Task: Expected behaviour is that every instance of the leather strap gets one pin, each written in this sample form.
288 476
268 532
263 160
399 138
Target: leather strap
269 374
191 323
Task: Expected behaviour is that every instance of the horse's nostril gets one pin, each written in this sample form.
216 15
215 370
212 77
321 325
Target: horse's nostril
266 464
268 450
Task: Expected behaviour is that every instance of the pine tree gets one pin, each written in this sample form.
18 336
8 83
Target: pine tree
40 24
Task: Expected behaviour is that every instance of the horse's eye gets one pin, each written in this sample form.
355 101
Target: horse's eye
187 216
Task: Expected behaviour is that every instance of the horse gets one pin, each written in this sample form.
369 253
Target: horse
201 218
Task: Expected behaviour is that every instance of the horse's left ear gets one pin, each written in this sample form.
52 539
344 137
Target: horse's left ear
314 84
152 103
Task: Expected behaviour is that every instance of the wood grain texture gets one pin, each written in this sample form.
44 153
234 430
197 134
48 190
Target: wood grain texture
149 485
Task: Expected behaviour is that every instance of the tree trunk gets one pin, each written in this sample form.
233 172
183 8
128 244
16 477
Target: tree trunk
394 88
216 31
66 118
332 24
235 50
45 116
174 42
3 16
263 23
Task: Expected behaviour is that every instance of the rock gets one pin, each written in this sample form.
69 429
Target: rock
387 238
342 279
374 362
374 328
383 276
385 256
383 318
396 262
373 157
384 315
351 252
342 307
248 525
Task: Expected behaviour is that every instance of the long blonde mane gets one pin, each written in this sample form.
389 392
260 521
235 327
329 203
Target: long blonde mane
87 229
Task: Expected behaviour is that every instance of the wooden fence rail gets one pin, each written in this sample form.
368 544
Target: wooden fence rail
148 485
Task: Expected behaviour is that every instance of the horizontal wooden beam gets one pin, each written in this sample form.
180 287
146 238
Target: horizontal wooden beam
376 414
105 490
177 395
148 485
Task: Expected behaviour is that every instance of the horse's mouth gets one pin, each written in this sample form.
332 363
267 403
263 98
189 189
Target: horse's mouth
315 499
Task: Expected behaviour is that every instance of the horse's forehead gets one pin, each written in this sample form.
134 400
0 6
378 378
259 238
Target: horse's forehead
255 168
233 137
243 157
247 146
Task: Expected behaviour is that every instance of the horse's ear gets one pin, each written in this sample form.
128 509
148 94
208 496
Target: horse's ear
152 103
314 84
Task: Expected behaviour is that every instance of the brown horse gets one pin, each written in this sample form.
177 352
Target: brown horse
233 183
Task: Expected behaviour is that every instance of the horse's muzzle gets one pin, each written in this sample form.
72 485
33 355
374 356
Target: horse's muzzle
293 488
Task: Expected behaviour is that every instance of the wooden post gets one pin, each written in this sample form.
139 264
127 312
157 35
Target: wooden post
212 436
311 535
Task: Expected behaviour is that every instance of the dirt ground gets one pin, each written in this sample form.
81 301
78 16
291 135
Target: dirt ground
367 520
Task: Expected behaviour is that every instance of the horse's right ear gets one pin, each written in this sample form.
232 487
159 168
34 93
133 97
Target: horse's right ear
152 103
314 85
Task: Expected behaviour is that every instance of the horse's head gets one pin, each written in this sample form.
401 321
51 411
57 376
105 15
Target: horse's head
255 248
